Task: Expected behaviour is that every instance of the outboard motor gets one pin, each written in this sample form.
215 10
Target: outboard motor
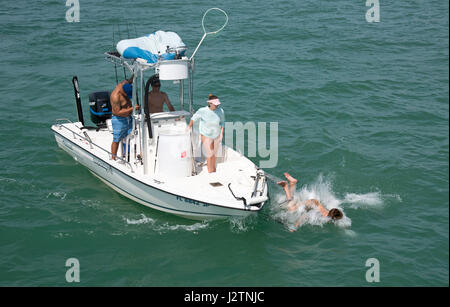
100 108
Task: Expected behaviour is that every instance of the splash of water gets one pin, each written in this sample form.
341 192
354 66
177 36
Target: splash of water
363 200
242 224
322 190
190 228
142 220
60 195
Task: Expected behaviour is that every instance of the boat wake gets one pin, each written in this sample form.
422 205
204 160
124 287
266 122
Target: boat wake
236 225
167 227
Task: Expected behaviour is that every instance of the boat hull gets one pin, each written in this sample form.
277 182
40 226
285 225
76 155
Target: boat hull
144 193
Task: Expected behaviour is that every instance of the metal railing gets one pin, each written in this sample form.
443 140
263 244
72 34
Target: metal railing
117 59
88 139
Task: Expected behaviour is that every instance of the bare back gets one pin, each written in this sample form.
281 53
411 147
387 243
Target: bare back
156 102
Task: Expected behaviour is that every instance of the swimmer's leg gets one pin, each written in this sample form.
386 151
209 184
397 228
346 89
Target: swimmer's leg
292 182
284 184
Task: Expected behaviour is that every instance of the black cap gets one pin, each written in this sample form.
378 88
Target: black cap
155 79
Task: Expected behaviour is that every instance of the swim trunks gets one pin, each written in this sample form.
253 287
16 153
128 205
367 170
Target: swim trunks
122 127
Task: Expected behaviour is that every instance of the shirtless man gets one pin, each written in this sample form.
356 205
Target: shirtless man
156 98
122 107
289 189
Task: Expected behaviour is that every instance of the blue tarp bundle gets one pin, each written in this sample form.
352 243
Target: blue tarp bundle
147 47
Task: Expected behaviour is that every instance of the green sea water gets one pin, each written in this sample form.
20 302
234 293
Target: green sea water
363 122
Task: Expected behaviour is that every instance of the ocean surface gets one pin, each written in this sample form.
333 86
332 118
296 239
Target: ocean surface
363 122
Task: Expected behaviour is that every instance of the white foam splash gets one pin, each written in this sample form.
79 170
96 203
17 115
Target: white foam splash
91 203
7 179
373 200
241 224
60 195
191 228
321 190
61 235
142 220
350 233
396 196
360 200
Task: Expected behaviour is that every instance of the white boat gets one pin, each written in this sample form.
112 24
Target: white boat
160 166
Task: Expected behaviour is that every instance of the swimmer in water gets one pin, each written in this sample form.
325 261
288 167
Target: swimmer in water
293 205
